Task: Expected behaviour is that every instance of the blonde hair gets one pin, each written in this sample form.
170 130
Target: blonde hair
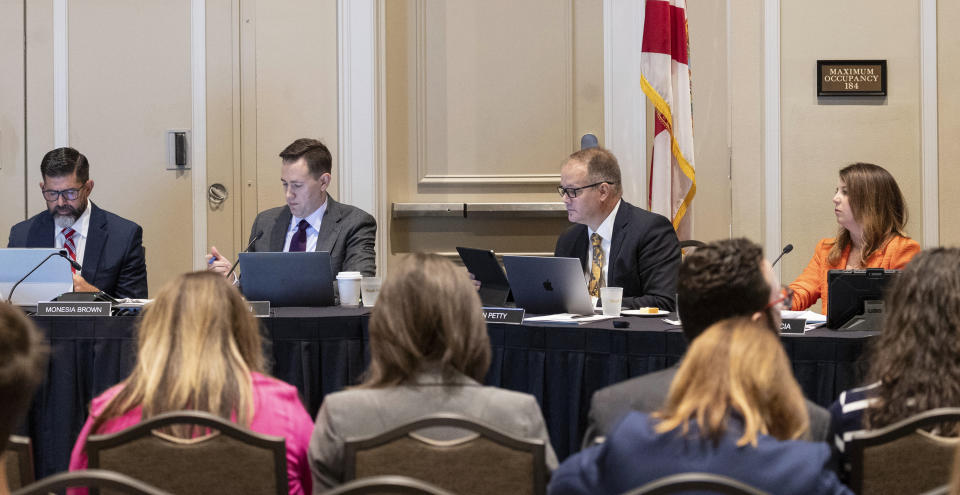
428 313
737 366
197 345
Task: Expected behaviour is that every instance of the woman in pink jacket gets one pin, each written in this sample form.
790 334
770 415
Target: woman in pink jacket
198 348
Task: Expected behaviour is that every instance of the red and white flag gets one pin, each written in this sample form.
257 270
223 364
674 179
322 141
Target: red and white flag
665 79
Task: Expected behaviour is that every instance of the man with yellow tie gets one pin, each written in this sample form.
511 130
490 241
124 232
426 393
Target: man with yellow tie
619 244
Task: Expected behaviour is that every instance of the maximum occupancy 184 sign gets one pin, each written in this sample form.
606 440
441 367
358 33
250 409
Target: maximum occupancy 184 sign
851 78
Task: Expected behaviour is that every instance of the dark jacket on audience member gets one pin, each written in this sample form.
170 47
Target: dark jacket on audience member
644 256
635 454
648 393
113 259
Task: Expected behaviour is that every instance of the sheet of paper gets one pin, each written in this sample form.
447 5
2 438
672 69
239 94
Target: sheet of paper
567 318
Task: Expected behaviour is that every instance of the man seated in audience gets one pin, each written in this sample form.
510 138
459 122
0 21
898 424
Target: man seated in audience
109 248
22 360
720 280
311 219
618 244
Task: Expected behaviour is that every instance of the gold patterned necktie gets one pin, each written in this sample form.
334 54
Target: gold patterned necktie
596 268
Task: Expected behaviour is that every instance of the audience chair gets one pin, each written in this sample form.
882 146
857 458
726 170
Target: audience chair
230 459
685 482
690 243
19 462
400 485
91 478
903 457
480 460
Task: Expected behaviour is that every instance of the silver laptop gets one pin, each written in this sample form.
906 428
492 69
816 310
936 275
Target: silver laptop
548 285
49 281
287 279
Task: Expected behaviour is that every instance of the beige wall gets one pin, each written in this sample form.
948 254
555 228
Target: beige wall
948 63
821 136
497 96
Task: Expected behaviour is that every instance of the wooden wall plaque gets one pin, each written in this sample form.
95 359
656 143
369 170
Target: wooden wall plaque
851 77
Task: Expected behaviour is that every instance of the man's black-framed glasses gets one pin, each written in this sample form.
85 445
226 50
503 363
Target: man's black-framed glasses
51 195
573 192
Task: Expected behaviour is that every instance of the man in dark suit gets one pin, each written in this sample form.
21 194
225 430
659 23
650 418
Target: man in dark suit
618 244
311 220
721 280
109 248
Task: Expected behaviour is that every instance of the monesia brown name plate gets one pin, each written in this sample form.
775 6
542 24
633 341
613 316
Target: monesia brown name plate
73 309
851 77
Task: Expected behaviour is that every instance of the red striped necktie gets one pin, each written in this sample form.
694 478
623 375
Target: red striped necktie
69 245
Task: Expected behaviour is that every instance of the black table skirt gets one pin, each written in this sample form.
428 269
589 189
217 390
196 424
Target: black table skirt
323 350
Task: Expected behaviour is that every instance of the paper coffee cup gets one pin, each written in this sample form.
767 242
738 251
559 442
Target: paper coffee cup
348 284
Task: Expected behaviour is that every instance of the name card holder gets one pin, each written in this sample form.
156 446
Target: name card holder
74 308
792 325
510 316
260 309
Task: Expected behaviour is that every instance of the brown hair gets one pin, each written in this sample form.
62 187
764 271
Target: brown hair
23 358
737 366
318 158
428 313
915 356
877 206
65 161
602 166
197 345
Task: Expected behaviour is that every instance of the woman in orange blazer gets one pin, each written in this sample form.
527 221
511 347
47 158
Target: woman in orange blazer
872 214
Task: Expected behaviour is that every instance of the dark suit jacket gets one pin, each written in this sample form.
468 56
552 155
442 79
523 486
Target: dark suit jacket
644 256
113 261
347 232
648 393
636 454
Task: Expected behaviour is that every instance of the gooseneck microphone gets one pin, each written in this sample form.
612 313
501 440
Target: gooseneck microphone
61 253
786 249
235 263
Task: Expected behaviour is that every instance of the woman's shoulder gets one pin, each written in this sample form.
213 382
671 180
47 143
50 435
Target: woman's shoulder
903 243
99 403
271 388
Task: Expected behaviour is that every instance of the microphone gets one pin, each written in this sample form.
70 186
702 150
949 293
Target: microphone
235 263
62 253
589 141
786 249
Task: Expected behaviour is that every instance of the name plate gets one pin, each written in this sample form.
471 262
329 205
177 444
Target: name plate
74 309
510 316
259 308
851 77
792 325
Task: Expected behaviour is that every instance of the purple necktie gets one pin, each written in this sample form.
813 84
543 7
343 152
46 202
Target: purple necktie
299 241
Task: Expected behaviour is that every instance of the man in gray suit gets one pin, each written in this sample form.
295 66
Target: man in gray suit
311 220
720 280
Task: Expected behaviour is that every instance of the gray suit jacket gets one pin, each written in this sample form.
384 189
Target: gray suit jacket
365 412
347 232
648 393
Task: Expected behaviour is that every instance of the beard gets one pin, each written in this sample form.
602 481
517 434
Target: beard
66 215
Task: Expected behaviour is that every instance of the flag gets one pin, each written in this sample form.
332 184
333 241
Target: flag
665 79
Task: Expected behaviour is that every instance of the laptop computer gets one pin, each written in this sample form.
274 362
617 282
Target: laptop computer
287 279
856 298
548 285
483 264
49 281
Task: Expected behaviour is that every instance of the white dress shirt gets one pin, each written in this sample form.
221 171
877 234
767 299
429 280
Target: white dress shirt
606 233
81 226
313 231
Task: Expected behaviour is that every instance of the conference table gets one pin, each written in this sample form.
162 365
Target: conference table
323 350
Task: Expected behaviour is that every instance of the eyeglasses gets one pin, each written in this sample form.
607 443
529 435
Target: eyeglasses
573 192
785 301
51 195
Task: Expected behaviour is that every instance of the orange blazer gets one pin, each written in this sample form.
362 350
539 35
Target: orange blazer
812 283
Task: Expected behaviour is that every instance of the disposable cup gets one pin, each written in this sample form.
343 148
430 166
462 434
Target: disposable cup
611 298
348 284
369 290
